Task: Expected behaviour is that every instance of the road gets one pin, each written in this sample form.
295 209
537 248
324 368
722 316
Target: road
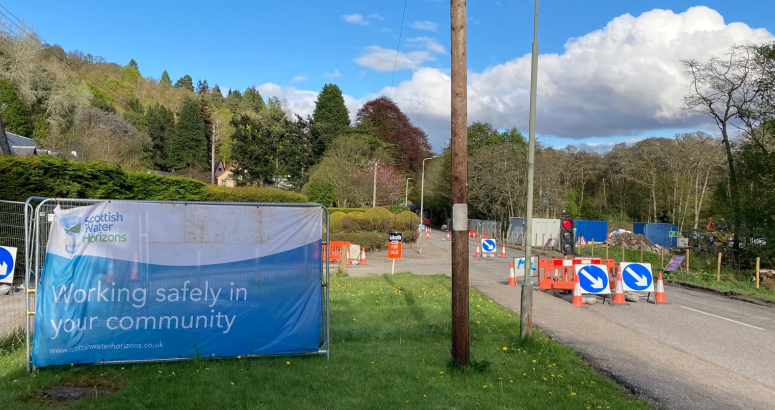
699 351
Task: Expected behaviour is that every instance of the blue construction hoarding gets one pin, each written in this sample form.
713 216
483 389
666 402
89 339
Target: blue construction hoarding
592 230
660 234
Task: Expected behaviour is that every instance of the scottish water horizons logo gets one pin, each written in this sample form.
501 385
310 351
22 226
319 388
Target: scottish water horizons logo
95 228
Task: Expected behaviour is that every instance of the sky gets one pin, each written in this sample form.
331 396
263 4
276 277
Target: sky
609 70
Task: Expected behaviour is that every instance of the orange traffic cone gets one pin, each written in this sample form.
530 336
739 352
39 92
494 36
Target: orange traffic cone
578 300
619 291
134 274
363 256
478 254
447 236
512 277
428 233
503 252
660 290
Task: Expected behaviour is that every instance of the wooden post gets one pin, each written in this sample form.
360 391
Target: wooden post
623 247
459 150
758 259
606 250
593 250
641 253
662 256
687 261
718 268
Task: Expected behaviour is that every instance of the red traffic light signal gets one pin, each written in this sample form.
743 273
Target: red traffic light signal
567 224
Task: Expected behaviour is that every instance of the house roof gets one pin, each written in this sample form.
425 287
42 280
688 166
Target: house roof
15 141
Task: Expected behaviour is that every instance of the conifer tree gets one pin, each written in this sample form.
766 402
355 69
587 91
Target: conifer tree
185 83
165 78
330 108
16 115
188 147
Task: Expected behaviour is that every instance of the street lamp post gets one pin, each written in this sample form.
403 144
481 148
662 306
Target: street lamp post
406 197
422 197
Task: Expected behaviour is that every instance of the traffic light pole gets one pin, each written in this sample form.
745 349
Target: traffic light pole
526 310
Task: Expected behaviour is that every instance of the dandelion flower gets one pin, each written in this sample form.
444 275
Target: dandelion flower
353 319
288 363
534 360
484 387
441 372
573 393
505 348
232 383
239 357
159 371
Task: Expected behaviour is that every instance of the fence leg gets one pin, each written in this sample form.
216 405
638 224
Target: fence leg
606 250
593 250
662 257
758 259
718 268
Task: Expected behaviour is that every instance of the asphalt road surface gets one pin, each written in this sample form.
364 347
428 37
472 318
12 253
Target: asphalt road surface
699 351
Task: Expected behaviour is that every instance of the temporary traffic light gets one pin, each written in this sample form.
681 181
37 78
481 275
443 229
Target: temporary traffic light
566 234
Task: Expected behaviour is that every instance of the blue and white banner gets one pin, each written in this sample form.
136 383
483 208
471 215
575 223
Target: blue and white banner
143 281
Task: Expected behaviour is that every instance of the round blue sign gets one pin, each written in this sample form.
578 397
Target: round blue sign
6 263
593 279
488 245
637 277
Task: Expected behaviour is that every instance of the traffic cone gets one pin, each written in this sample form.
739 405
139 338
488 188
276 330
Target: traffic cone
478 254
448 236
512 277
134 274
578 300
619 291
660 290
503 252
428 233
363 256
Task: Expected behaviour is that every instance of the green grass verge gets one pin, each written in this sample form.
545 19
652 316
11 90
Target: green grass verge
390 349
702 271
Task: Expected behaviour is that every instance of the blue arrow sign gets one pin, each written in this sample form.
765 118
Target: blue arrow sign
7 259
637 277
593 278
488 245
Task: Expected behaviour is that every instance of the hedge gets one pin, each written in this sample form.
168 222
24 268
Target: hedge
347 210
373 241
47 176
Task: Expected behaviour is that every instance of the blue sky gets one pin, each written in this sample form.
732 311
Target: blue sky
294 47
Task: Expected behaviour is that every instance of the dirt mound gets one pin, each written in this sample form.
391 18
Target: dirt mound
632 241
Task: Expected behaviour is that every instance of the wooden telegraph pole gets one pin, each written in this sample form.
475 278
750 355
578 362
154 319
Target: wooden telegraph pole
459 146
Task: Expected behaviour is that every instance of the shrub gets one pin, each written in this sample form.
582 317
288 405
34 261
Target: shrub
164 188
380 218
323 193
336 221
250 194
354 222
397 209
407 221
373 241
347 210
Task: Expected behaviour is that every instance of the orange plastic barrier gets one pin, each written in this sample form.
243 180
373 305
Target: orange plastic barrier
560 274
338 248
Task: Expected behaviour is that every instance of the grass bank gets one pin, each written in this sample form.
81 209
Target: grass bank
390 349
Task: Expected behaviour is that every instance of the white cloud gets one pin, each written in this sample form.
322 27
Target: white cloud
624 79
425 25
335 74
299 78
383 60
358 18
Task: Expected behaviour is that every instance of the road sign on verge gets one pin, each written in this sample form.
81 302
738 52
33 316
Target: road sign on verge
488 246
593 279
675 263
7 263
637 276
394 250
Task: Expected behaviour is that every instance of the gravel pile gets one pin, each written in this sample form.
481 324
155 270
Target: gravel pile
632 241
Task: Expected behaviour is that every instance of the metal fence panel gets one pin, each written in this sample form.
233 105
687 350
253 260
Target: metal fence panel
41 220
12 234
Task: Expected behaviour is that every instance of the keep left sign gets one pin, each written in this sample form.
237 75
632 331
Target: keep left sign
637 277
7 263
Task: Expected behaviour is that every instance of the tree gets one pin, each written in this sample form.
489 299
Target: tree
165 78
133 64
725 89
101 135
202 87
330 108
16 115
252 101
232 101
409 143
216 97
185 83
161 128
188 147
